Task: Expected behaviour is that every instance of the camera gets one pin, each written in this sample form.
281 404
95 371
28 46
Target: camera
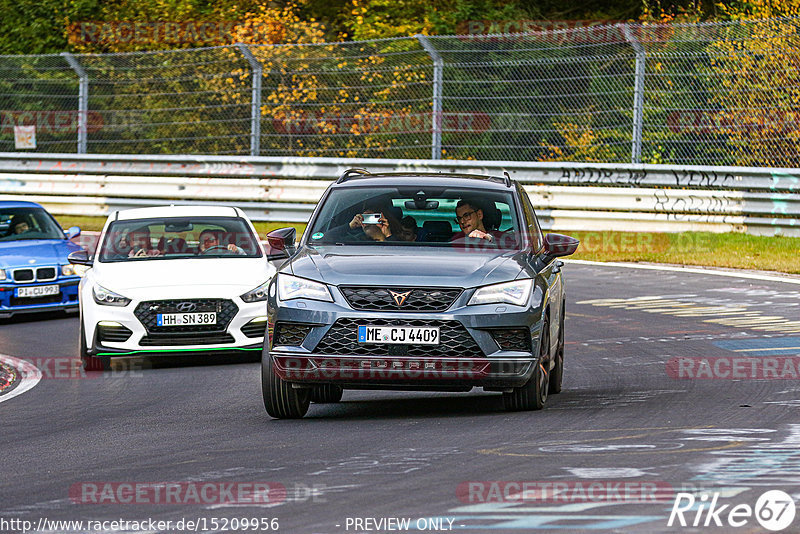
372 218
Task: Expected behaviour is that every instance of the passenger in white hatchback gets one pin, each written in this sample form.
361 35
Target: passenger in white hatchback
140 244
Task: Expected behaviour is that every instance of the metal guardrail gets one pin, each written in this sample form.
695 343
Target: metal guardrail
568 196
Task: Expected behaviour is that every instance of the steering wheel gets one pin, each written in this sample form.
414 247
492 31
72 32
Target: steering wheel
206 251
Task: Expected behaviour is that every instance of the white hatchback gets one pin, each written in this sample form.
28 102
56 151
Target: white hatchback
176 279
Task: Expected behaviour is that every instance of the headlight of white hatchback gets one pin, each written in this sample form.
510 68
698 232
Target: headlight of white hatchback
292 287
105 297
258 294
516 292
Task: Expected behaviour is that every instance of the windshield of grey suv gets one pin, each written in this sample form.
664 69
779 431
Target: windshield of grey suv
17 224
178 238
430 216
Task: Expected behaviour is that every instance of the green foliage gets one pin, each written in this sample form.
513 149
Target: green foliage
335 100
42 26
38 26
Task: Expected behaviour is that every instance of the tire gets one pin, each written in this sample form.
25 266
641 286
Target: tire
557 374
326 394
533 395
281 400
90 363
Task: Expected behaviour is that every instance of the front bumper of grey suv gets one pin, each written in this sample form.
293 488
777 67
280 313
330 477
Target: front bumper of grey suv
494 346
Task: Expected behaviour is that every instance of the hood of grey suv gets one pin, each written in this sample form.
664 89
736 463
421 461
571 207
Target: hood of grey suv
405 266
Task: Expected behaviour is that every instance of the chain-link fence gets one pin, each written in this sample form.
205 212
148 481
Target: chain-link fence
703 94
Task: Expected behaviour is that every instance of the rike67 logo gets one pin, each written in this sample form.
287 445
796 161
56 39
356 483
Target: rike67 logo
774 511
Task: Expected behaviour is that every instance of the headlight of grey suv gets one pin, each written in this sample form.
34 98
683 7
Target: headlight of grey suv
292 287
516 292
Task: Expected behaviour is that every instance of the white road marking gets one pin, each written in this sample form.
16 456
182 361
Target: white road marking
30 376
693 270
607 472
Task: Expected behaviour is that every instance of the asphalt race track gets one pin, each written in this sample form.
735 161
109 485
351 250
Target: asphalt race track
674 383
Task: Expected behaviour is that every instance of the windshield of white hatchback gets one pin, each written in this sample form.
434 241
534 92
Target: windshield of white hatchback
173 238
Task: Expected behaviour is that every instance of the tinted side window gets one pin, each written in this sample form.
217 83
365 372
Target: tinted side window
531 221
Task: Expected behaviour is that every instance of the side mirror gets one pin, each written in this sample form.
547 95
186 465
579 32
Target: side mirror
281 243
556 245
72 232
80 257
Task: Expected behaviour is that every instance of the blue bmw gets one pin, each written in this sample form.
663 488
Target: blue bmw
34 272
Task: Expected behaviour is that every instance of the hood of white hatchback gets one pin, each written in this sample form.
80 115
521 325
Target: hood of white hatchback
184 277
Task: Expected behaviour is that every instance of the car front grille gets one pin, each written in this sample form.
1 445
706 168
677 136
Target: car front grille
454 340
148 311
41 274
23 275
413 299
45 274
26 301
190 339
512 339
254 328
290 334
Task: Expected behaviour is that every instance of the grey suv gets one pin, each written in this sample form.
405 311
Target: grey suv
417 281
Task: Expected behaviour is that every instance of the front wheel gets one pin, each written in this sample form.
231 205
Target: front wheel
557 374
533 395
281 400
326 394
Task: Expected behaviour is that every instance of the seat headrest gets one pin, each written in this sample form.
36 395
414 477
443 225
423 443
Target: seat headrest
438 227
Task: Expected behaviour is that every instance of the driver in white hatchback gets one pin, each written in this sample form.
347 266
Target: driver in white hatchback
209 239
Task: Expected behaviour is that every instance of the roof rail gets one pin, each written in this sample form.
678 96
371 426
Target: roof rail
351 172
357 172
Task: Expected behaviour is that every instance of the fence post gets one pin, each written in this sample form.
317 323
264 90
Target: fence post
638 94
83 100
438 80
257 72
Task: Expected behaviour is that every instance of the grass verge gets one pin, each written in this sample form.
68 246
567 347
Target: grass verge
739 251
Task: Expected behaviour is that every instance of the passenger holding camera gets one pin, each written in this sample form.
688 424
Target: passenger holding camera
377 224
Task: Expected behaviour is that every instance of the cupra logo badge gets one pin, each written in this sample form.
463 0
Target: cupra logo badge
399 298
